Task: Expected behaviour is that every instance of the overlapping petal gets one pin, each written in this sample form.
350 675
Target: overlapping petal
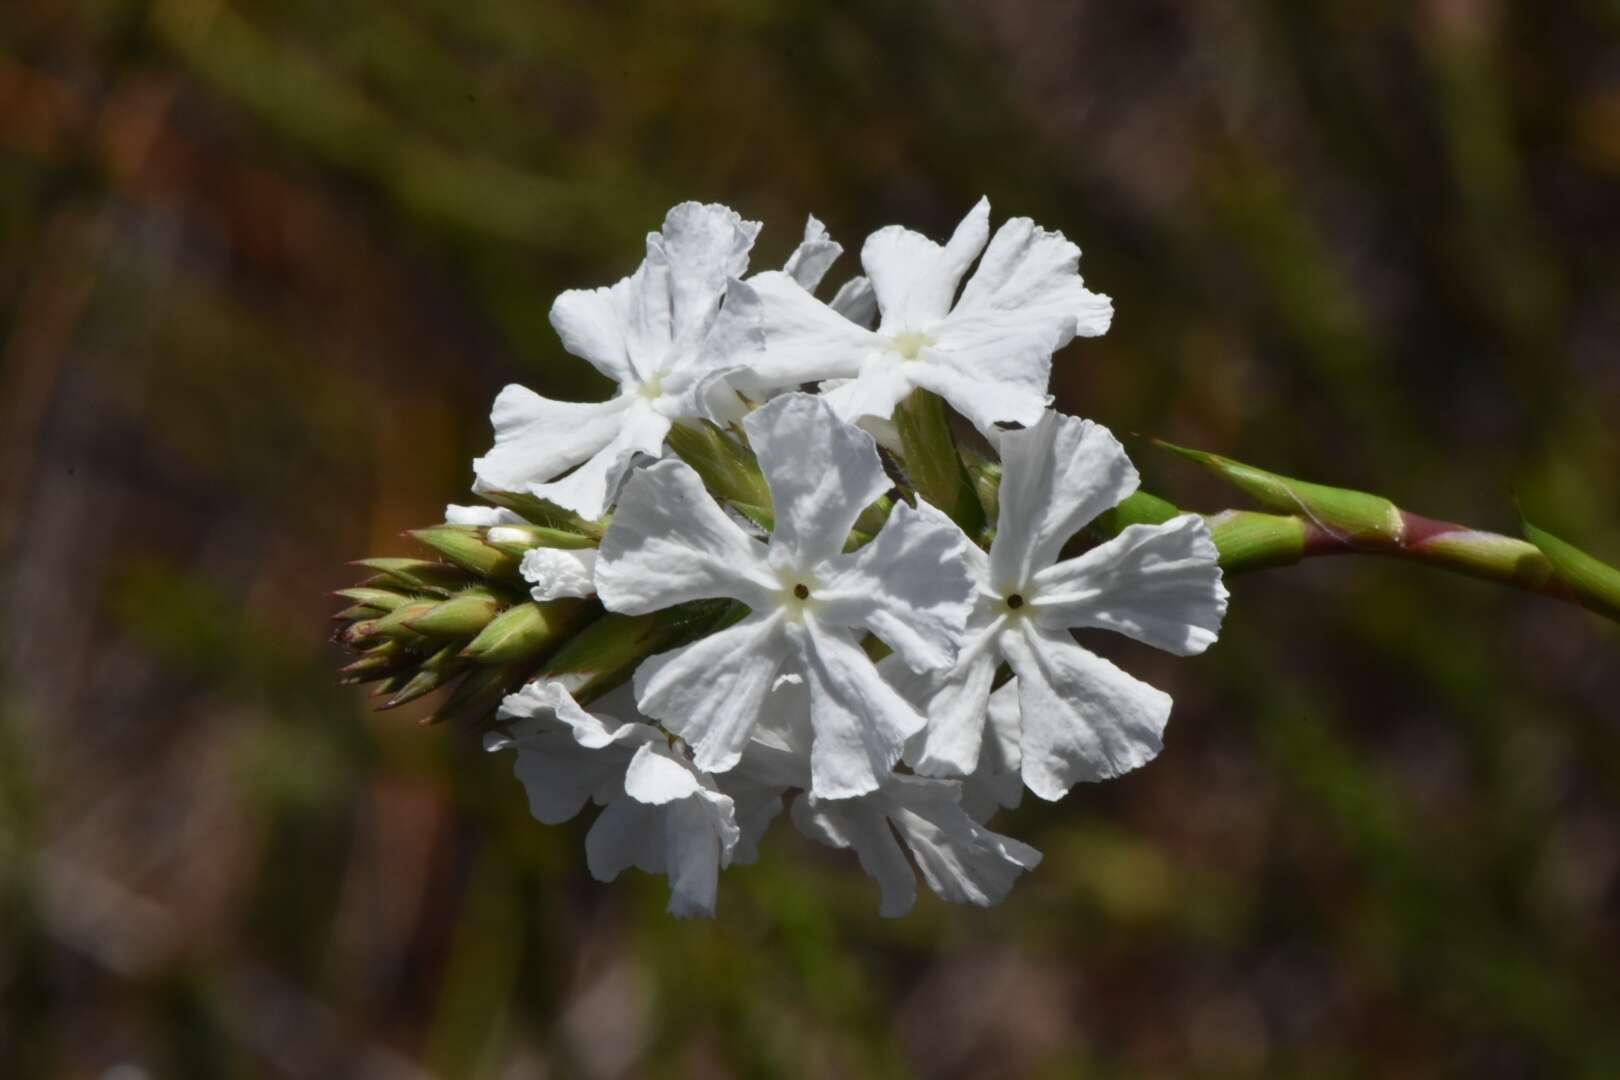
907 586
1056 478
670 542
861 722
712 692
1082 718
822 473
916 279
1159 584
961 860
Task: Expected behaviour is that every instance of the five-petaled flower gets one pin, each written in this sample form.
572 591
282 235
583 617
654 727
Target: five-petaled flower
809 603
988 352
1080 717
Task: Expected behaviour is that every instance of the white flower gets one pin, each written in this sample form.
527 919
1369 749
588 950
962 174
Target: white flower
809 604
960 859
651 334
659 814
553 573
1079 716
486 516
987 352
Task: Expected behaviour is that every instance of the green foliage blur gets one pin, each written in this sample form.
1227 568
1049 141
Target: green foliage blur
264 264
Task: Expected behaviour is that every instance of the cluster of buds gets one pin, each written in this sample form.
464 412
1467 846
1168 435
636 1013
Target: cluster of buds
466 620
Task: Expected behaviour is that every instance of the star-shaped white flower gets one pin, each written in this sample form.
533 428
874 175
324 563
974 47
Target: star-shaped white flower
659 814
809 603
987 352
1078 716
651 334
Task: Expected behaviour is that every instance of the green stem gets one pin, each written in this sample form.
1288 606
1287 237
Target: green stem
1320 520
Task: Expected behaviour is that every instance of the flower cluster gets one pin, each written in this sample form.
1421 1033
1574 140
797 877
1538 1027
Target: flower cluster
873 623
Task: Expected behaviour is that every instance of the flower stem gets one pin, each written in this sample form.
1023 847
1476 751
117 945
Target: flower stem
1320 520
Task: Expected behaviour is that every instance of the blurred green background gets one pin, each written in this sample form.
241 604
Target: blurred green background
264 263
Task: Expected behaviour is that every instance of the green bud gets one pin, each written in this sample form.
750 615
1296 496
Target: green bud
476 697
464 546
435 671
524 631
384 600
1353 518
517 539
397 623
462 616
1595 583
357 612
419 575
541 512
1248 540
607 652
932 465
728 467
1138 508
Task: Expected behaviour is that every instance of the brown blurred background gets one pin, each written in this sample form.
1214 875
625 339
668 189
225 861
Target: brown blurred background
263 266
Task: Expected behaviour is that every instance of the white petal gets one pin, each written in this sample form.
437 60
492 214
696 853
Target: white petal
1011 391
1035 274
564 754
598 325
861 824
480 515
703 246
559 572
781 336
696 847
669 542
822 473
537 439
1056 478
882 383
670 822
589 489
962 861
1083 718
627 833
593 731
1002 751
856 301
1159 584
559 775
910 586
756 805
712 692
916 279
657 776
955 703
809 262
861 722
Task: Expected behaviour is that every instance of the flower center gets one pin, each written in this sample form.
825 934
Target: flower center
802 591
910 344
652 389
1015 601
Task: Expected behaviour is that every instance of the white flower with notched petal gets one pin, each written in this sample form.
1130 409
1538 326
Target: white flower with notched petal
659 814
809 603
987 352
960 859
651 334
1079 716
